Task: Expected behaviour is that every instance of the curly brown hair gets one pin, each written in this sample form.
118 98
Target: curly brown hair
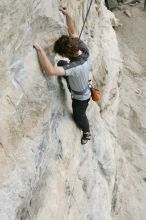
67 46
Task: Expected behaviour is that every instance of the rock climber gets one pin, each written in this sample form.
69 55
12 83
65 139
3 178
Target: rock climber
76 71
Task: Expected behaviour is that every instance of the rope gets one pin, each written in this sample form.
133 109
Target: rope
85 18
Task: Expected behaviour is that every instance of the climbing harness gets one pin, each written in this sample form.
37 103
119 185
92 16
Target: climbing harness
85 18
80 92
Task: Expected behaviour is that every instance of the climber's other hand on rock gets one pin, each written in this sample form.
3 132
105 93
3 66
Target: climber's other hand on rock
63 9
37 47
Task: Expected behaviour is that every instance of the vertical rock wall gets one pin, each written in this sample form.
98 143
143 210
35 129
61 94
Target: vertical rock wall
45 172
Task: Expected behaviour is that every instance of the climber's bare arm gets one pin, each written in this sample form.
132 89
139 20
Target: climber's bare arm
46 64
69 21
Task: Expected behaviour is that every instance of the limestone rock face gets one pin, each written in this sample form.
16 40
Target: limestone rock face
45 173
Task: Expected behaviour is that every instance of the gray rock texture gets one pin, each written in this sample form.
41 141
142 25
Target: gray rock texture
45 173
131 120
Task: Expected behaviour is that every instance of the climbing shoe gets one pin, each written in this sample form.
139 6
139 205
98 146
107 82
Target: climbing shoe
85 137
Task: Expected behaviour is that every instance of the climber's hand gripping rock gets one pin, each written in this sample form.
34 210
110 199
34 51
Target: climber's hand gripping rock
37 47
63 10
